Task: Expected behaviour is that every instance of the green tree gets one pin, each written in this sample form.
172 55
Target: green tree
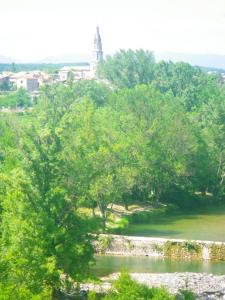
70 77
128 68
101 160
168 147
19 98
46 244
98 92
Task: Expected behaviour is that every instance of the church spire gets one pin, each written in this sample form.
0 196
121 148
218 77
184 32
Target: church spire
97 53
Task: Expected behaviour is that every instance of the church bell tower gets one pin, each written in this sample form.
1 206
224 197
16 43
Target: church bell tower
97 55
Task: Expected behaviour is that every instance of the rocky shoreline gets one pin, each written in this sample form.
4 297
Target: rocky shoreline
205 286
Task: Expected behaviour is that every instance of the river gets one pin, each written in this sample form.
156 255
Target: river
141 264
205 224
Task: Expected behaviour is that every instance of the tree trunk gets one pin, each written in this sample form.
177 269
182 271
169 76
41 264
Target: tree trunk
55 294
93 211
125 204
102 209
104 223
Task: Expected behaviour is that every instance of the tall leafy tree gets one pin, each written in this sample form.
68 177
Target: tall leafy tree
128 68
46 244
100 154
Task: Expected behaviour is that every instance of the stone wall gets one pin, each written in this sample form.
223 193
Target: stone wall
174 248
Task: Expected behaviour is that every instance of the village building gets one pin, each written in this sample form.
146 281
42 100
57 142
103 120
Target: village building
25 80
4 78
4 81
76 72
28 82
31 81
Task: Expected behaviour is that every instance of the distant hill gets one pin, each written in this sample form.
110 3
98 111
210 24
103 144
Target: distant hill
67 58
27 67
202 60
209 62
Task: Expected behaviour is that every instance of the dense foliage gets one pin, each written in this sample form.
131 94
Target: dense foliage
16 99
153 132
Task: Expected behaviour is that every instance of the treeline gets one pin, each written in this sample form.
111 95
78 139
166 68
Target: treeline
187 114
47 67
150 132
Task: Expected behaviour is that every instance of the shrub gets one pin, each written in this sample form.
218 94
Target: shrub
125 288
186 295
94 296
120 226
104 243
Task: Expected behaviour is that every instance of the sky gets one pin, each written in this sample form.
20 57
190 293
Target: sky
34 29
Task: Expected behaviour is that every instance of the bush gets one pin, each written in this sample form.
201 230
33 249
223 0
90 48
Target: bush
20 98
186 295
104 243
120 226
125 288
94 296
146 216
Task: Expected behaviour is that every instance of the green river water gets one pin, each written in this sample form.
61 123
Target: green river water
205 224
141 264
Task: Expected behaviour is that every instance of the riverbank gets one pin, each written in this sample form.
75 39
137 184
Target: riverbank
160 247
205 286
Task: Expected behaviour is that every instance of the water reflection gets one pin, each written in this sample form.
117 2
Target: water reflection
110 264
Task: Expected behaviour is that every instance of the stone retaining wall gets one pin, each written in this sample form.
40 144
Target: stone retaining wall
174 248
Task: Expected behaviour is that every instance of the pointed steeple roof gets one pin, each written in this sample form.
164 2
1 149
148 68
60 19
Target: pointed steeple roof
97 40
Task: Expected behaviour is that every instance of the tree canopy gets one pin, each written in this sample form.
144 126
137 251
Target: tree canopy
146 133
